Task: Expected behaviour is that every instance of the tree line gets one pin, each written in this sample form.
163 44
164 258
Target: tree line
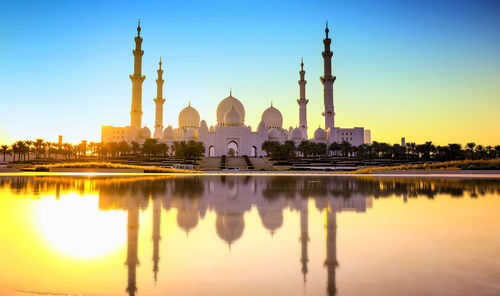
376 150
41 149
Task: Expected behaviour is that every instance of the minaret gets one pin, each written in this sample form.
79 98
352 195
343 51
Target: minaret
156 235
304 236
302 101
327 79
137 80
159 104
331 250
132 245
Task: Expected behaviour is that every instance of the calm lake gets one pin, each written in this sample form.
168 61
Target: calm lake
249 235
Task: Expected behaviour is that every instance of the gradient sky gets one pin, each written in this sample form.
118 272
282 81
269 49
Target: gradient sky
425 70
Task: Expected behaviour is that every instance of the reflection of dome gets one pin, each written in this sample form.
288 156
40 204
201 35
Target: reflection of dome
145 133
232 118
226 105
190 133
187 219
296 135
189 117
271 219
273 134
168 133
272 117
229 226
319 134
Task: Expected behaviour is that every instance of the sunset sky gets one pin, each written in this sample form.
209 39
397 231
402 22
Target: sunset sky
426 70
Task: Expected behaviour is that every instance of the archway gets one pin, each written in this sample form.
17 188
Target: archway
211 151
253 151
232 149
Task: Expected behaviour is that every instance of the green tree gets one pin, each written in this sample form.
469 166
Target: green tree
334 148
347 148
5 150
471 146
304 148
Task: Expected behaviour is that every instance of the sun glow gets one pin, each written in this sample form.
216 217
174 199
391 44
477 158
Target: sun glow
75 226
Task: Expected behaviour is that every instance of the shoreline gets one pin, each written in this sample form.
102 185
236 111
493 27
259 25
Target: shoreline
494 174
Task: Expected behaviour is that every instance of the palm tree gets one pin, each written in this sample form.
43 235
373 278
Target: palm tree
346 148
480 151
304 148
471 146
497 150
5 150
28 148
334 147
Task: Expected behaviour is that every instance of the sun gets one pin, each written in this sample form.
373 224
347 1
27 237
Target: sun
74 225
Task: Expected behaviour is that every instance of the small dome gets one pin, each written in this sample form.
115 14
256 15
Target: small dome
168 133
272 117
203 123
232 118
145 133
190 134
319 134
212 129
187 219
226 105
273 134
296 135
189 117
271 219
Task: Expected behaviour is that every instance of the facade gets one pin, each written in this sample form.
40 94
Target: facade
230 135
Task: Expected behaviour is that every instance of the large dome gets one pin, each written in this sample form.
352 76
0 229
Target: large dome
232 118
189 117
229 226
272 117
226 105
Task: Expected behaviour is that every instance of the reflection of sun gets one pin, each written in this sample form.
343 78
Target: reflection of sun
75 226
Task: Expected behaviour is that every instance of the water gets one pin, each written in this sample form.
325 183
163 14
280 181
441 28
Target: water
249 235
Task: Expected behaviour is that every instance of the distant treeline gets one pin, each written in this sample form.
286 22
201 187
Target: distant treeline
22 150
376 150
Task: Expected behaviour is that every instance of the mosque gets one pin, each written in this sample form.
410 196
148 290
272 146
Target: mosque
230 135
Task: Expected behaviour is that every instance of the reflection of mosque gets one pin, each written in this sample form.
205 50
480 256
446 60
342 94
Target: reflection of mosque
230 198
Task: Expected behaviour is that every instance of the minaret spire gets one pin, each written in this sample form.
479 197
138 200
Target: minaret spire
137 80
327 79
159 101
302 101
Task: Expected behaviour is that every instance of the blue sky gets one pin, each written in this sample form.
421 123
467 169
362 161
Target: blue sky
426 70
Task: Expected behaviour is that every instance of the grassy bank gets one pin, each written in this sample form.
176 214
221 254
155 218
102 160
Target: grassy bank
489 164
108 165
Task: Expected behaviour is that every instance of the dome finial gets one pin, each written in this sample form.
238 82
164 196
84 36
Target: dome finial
302 63
271 103
189 103
231 92
326 29
160 62
139 28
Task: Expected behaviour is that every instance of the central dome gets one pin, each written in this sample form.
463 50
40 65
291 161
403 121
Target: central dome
232 118
226 105
189 117
272 118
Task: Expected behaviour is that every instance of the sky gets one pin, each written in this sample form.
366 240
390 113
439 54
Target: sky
424 70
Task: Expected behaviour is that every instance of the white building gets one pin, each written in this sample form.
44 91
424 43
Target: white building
230 135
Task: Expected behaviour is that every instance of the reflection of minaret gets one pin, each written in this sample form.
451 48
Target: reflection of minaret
132 245
156 234
327 79
302 101
159 100
137 80
331 250
304 237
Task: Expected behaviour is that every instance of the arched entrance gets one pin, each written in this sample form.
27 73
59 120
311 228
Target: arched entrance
253 151
232 149
211 151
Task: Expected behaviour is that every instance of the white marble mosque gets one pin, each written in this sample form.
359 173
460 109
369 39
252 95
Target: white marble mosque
230 132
